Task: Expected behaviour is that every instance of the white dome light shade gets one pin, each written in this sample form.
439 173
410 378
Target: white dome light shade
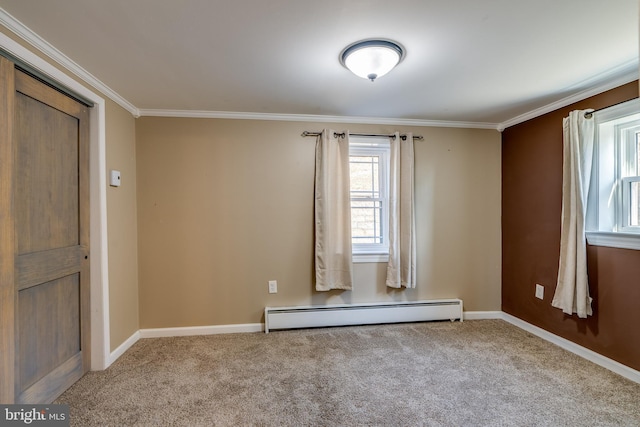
371 59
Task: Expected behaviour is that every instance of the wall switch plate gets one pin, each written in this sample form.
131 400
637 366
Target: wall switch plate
114 178
539 291
273 286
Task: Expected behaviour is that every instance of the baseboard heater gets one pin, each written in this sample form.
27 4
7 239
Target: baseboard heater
361 314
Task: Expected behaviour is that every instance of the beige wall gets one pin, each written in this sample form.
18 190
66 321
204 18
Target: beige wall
226 205
223 206
121 215
122 225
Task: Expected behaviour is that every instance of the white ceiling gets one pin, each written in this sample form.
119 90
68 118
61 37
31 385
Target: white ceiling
480 61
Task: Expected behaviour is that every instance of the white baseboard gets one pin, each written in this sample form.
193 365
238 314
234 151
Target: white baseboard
482 315
201 330
126 345
583 352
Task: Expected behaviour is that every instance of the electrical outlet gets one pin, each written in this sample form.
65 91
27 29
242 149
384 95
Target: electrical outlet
539 291
273 286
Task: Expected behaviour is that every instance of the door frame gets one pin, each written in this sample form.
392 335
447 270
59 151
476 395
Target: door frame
99 271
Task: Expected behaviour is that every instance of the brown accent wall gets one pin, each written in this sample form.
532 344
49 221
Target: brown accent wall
531 208
224 206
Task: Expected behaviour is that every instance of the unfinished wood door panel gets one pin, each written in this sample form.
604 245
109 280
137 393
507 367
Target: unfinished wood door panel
7 235
52 240
48 327
49 218
40 267
47 180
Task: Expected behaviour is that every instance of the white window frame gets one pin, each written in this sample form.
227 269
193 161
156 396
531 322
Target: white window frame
377 146
609 204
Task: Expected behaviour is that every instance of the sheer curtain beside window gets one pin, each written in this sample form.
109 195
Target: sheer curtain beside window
333 258
572 289
401 269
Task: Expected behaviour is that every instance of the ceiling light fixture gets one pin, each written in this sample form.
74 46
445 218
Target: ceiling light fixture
371 59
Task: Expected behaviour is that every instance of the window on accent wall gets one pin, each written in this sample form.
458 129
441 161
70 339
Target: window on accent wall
613 213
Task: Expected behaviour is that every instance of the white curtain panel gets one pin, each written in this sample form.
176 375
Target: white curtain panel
572 290
401 269
333 259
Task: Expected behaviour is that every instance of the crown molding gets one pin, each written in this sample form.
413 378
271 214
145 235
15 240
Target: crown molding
50 51
614 77
200 114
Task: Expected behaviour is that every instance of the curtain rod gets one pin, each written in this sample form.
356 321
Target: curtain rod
589 114
307 133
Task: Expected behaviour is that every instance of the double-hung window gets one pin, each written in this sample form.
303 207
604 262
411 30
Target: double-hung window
369 175
613 213
630 177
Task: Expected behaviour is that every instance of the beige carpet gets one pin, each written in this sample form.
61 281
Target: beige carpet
476 373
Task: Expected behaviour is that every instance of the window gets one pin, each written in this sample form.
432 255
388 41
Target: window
369 166
630 178
613 212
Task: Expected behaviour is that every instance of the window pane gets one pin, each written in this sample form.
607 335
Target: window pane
366 208
365 180
635 204
365 221
637 153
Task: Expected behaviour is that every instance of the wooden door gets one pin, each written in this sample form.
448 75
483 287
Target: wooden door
50 219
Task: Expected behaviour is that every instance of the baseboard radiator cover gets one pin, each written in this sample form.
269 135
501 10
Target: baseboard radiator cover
361 314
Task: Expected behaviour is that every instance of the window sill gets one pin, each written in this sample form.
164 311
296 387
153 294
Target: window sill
370 258
614 240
